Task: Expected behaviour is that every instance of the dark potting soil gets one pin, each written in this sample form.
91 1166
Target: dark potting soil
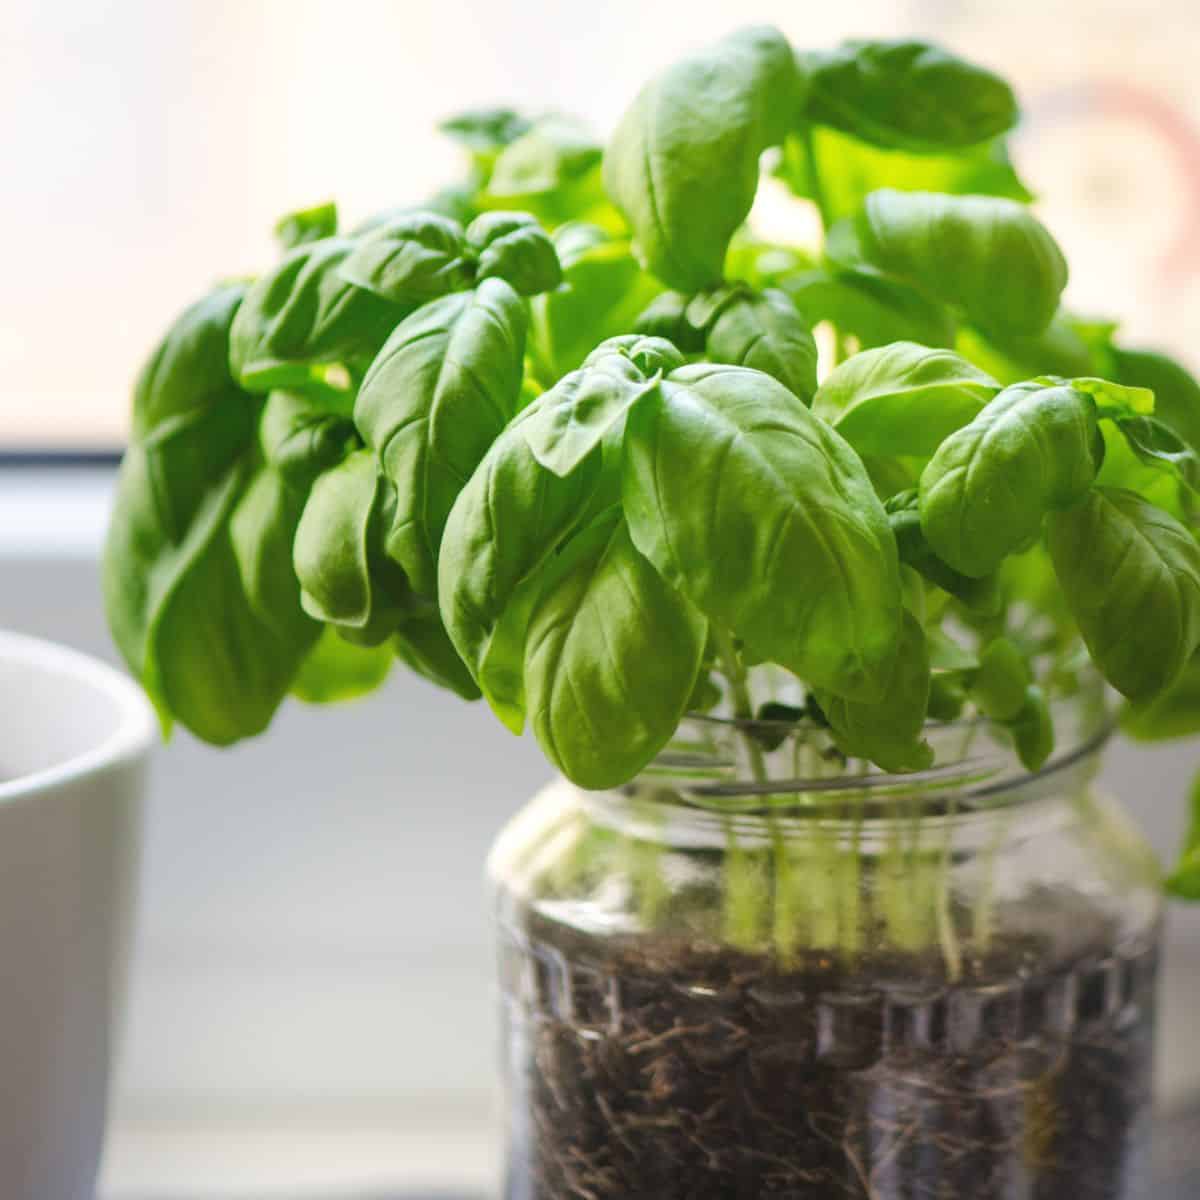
656 1070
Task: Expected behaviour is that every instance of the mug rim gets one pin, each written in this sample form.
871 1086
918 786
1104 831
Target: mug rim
131 740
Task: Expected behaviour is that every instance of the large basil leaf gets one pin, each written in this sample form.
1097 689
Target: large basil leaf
986 492
766 331
436 397
576 414
888 731
346 578
864 304
987 256
740 496
305 313
907 95
201 600
603 292
683 163
902 399
847 170
613 656
1131 576
506 523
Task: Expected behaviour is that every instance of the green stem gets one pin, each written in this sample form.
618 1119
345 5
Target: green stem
743 706
947 935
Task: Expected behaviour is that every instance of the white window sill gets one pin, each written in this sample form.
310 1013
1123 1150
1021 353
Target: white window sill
247 1159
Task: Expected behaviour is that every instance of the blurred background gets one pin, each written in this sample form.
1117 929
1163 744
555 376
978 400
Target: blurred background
311 997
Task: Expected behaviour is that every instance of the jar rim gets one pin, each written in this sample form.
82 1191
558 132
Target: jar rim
705 768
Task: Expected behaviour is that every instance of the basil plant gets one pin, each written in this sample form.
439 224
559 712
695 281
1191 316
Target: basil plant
561 438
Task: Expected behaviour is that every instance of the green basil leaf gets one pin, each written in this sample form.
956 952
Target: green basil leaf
1184 881
888 731
304 313
907 95
902 399
423 644
984 255
613 655
576 414
848 170
552 171
684 177
761 264
666 317
987 490
999 685
1174 714
868 306
412 258
603 292
1155 443
346 578
300 437
1033 730
982 596
485 131
1131 576
1176 392
307 225
440 391
213 649
1061 349
508 520
515 248
739 496
766 332
262 527
336 670
1124 469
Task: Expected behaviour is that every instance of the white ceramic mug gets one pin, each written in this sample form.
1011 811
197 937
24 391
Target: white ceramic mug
74 739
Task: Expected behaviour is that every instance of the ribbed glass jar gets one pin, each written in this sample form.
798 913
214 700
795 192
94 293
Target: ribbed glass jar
759 972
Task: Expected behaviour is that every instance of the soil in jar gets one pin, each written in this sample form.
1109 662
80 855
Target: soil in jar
659 1069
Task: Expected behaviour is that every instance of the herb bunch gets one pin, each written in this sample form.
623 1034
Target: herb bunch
558 438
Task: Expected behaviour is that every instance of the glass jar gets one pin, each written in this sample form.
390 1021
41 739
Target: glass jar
758 971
